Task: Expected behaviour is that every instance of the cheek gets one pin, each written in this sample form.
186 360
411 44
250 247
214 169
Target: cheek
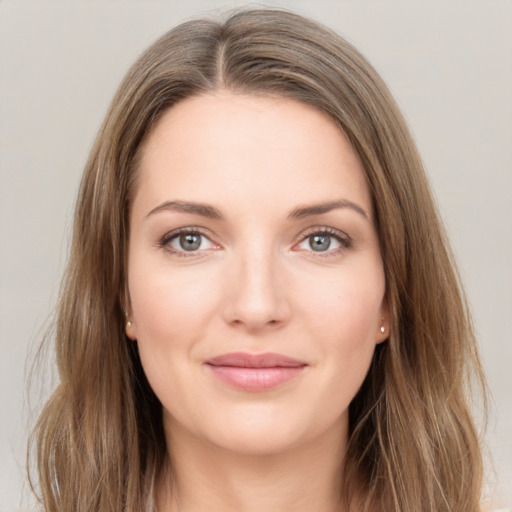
346 304
344 318
171 317
164 299
171 311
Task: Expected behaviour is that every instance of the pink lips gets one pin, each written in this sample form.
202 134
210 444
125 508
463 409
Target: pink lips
259 372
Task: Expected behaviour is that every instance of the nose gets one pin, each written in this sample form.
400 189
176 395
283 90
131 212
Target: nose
257 296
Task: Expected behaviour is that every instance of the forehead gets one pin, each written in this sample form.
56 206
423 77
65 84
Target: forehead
262 150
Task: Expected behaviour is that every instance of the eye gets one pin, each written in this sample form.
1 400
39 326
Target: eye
186 241
325 240
320 242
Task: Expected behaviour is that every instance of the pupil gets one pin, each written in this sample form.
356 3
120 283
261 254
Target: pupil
190 242
320 242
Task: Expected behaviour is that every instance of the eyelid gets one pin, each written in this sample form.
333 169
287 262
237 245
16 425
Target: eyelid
165 240
344 239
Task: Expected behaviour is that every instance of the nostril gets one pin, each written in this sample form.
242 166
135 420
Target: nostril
254 298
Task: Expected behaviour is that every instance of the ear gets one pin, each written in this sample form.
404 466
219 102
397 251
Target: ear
129 326
384 327
130 329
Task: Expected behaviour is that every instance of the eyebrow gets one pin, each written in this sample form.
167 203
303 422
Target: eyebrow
210 212
204 210
317 209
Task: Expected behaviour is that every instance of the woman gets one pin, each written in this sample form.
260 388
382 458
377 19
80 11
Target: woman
260 311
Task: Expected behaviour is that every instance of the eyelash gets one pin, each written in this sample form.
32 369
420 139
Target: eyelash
344 240
165 241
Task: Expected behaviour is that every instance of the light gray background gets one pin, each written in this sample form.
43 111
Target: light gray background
449 63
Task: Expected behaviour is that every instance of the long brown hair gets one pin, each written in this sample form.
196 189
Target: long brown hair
99 442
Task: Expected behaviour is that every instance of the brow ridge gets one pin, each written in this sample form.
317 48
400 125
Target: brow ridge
317 209
204 210
208 211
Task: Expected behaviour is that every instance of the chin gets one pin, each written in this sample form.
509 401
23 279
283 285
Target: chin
265 430
256 441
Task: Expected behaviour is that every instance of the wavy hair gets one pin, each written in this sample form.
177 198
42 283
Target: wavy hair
99 443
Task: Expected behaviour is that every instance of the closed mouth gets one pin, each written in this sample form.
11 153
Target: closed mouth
255 372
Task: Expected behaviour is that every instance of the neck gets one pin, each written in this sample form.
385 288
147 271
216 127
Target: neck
208 477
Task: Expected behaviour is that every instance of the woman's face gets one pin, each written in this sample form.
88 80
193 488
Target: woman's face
255 275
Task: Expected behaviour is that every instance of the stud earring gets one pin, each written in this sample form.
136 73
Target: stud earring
128 324
382 329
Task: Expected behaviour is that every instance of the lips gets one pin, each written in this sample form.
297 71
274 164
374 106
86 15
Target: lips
255 372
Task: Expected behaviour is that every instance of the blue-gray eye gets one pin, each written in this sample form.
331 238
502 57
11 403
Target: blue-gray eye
324 241
187 242
190 241
319 242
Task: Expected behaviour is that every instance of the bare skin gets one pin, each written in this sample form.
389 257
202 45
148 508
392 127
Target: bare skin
231 482
252 232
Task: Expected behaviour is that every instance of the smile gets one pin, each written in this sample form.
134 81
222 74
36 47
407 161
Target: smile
259 372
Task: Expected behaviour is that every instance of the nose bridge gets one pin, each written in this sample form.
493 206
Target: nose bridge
257 295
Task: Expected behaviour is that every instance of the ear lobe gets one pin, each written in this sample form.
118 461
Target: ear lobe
129 327
384 328
383 333
130 330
